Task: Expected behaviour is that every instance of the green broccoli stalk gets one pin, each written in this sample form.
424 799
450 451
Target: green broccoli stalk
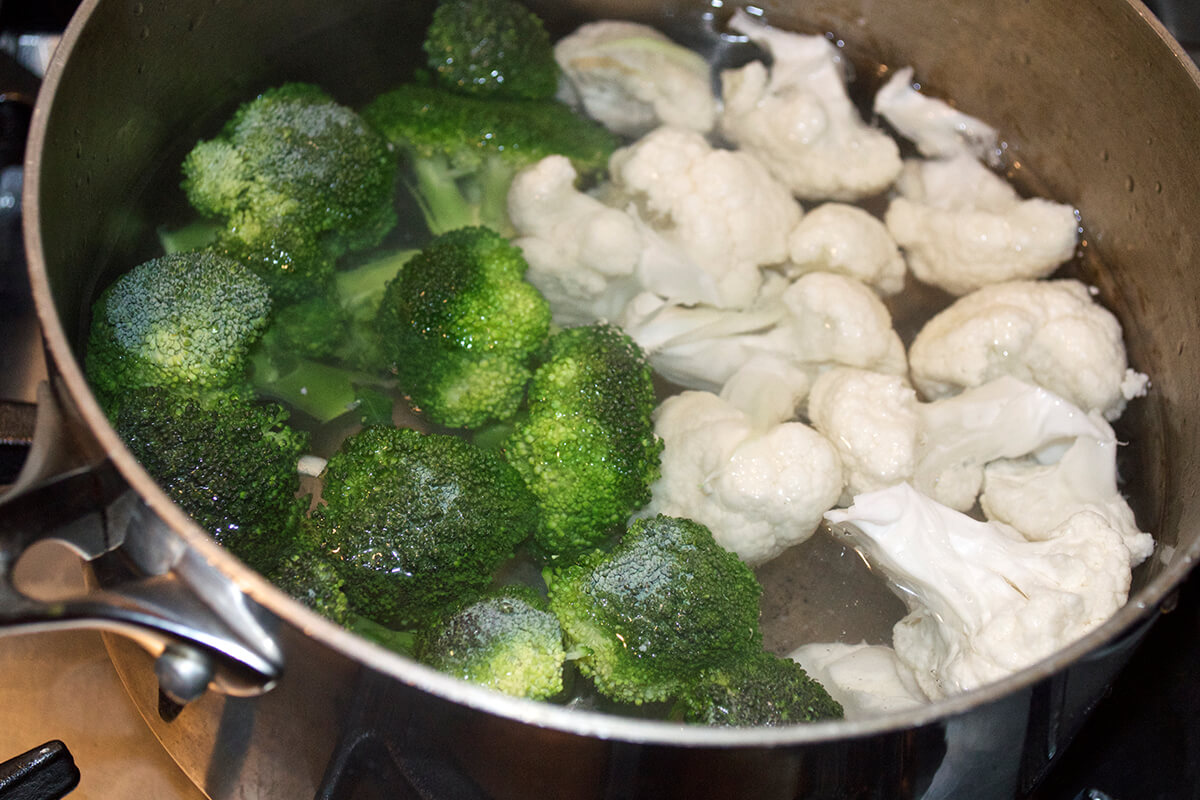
664 605
183 322
460 325
462 151
296 180
506 641
761 689
491 48
417 522
228 462
585 444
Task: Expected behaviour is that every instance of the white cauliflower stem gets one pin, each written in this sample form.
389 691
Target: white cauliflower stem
866 679
760 485
1051 333
845 239
937 129
983 601
961 226
632 78
797 118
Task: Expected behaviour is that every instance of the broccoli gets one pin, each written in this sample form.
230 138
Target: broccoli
493 48
297 180
463 151
461 324
650 615
228 462
185 322
507 641
310 576
322 355
761 689
418 521
585 444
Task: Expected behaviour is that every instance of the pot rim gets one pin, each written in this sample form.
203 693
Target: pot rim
67 371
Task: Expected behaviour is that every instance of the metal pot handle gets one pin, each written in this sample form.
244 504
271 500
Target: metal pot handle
74 494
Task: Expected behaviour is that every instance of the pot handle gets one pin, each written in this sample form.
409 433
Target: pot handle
68 490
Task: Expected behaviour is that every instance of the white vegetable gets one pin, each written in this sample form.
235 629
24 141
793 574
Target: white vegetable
885 436
1036 498
797 118
819 321
983 601
934 126
632 78
866 679
962 226
719 207
760 485
1051 333
835 237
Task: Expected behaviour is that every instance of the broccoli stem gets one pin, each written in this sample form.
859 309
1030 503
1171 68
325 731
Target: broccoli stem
193 236
442 202
322 391
360 289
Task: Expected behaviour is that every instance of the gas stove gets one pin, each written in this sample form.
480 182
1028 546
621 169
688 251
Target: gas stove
1141 743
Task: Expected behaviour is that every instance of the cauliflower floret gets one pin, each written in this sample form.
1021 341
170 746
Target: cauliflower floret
1051 333
820 321
936 128
1036 498
719 207
885 436
582 254
798 119
962 226
760 485
866 679
632 78
983 601
845 239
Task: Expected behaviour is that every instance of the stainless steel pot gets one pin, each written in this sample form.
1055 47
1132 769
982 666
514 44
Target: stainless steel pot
1091 94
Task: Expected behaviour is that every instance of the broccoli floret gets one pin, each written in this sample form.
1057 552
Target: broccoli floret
495 48
228 462
309 575
463 151
665 604
586 445
417 522
184 322
507 641
297 180
762 689
461 324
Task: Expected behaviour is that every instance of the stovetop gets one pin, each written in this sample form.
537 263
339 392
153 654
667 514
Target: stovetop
1141 743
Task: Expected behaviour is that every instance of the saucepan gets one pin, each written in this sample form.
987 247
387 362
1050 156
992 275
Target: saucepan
247 688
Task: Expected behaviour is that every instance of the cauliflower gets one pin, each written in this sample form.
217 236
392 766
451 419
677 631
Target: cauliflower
759 484
1036 498
797 118
583 255
845 239
819 321
1051 333
866 679
936 128
962 226
719 207
632 78
885 436
983 601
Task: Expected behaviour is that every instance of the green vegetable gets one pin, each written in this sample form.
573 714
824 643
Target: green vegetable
493 48
462 152
762 689
296 180
664 605
418 522
506 641
586 445
184 322
228 462
310 575
460 325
